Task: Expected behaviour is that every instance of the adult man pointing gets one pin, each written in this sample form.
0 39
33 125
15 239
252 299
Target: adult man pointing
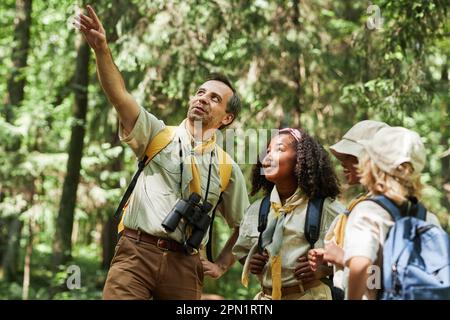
151 261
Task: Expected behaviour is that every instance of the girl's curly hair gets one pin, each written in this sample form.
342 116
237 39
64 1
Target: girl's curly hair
314 171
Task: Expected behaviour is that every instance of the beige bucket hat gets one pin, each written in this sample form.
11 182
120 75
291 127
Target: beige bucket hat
392 146
363 130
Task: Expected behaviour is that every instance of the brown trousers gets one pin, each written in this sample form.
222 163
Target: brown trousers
142 271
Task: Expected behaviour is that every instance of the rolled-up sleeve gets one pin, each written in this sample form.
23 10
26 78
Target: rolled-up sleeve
144 130
363 231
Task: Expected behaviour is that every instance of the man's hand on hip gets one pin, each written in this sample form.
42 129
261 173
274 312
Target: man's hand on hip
211 269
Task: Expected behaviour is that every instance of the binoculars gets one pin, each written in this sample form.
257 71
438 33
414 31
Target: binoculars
195 214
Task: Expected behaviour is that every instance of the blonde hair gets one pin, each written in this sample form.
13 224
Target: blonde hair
397 186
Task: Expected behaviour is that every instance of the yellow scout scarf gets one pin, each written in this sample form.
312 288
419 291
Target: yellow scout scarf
207 146
272 238
339 229
195 183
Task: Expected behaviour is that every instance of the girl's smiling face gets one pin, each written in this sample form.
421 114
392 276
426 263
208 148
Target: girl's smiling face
279 163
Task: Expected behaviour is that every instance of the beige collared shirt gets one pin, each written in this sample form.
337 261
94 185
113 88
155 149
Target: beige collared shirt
158 187
365 233
330 237
294 243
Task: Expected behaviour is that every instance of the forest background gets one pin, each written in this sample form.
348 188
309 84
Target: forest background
320 65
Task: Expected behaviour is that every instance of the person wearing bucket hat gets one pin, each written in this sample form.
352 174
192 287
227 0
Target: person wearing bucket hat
389 153
347 151
391 167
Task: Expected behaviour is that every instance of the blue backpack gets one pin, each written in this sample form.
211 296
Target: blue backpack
416 255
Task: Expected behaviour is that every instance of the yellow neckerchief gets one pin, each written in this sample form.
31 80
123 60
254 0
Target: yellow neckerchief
276 263
339 229
200 148
278 209
276 259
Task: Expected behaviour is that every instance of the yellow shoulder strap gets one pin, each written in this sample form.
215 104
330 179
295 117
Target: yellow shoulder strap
225 168
159 142
339 229
355 201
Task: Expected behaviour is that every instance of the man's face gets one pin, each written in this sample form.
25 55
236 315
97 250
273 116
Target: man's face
209 105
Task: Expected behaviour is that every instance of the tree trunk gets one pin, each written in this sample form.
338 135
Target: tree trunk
109 230
62 244
299 92
444 129
16 82
10 261
109 241
14 96
27 263
366 71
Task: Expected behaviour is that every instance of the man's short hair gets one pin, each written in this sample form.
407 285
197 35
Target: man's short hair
234 104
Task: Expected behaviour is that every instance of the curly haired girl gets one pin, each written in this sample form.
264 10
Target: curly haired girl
295 170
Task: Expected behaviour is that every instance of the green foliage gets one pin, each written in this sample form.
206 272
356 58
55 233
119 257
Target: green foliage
315 66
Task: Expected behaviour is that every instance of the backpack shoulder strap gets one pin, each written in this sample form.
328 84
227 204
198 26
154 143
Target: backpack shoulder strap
264 209
387 205
209 254
313 218
354 202
159 142
225 168
417 208
394 210
421 212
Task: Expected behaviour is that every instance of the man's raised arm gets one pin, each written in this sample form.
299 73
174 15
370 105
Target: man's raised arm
109 76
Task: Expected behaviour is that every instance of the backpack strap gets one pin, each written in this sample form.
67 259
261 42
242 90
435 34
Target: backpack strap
387 205
264 209
225 168
210 232
354 202
413 206
159 142
421 212
313 217
312 223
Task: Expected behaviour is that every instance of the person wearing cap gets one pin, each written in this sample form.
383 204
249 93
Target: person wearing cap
348 151
391 166
294 170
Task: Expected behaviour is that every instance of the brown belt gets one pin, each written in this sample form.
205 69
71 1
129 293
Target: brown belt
293 289
161 243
